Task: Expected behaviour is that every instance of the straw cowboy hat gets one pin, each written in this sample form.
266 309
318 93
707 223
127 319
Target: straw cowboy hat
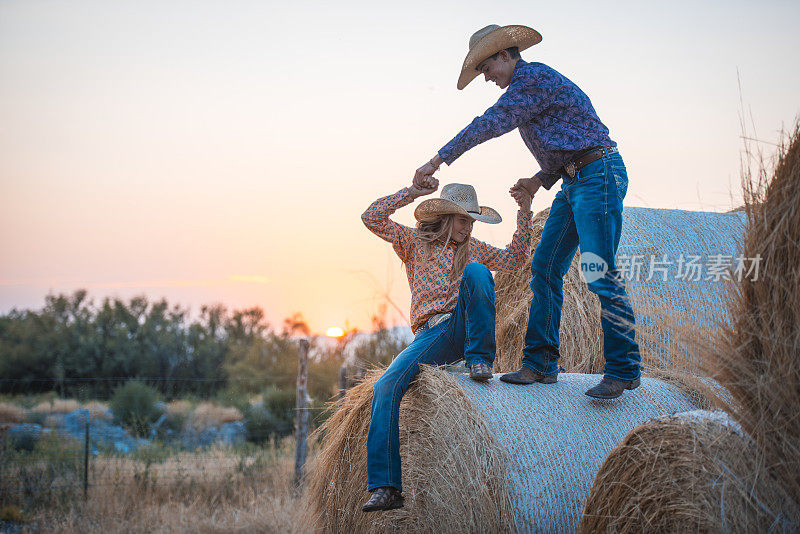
458 199
489 41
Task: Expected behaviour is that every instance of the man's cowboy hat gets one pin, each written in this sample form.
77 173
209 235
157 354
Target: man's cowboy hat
458 199
490 40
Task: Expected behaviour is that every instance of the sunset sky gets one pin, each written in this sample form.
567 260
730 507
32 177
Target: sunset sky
224 151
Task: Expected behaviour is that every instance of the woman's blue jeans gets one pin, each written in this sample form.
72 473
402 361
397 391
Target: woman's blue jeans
587 211
468 333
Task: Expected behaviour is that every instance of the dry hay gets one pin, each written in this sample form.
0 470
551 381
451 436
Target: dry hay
758 359
754 359
465 445
442 437
693 472
657 303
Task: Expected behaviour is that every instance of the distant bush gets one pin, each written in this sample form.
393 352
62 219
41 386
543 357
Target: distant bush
207 415
11 413
97 410
272 417
42 474
24 438
56 406
134 405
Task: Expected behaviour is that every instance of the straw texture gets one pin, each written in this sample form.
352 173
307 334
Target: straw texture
701 237
482 457
692 472
454 472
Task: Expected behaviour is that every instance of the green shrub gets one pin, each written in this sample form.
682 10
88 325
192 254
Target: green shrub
273 417
48 476
135 407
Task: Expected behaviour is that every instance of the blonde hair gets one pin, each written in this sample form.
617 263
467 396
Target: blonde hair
440 229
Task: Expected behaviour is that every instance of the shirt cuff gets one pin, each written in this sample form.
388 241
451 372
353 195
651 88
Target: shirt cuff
547 179
447 155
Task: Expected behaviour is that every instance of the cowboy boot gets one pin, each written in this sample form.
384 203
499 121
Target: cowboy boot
608 388
383 498
480 372
526 376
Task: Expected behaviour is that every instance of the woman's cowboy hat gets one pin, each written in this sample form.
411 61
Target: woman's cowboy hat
459 199
490 40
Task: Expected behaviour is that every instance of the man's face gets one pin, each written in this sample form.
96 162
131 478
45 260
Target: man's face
498 70
462 227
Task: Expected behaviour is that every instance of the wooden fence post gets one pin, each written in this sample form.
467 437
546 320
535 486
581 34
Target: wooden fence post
301 426
86 460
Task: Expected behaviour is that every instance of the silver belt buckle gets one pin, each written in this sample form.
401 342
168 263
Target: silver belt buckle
569 168
436 319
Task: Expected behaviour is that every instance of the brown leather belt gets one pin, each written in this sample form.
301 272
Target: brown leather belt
572 167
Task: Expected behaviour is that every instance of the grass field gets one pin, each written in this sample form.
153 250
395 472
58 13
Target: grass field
217 490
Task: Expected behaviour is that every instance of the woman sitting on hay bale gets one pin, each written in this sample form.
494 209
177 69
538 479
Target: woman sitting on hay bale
452 306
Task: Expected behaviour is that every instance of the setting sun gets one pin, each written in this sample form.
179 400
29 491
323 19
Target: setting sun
334 331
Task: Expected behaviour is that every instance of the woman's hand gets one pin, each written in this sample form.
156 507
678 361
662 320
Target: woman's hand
530 185
431 185
522 198
423 177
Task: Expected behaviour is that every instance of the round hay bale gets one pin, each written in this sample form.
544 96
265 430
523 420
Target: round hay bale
691 472
659 292
481 457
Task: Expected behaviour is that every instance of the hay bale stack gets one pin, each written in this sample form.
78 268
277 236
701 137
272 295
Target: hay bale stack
758 361
454 472
646 233
481 457
691 472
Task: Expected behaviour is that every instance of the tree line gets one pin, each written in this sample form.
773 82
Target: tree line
76 348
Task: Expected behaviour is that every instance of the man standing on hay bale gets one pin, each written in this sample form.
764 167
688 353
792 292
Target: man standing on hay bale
563 132
452 306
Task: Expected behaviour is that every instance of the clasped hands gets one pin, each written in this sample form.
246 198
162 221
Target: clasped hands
425 183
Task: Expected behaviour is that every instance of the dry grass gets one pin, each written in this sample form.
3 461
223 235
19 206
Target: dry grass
214 492
760 362
681 474
454 473
663 476
97 410
179 407
580 335
11 413
52 421
56 406
206 415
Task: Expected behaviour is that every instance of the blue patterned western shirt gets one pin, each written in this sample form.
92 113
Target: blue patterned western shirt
555 118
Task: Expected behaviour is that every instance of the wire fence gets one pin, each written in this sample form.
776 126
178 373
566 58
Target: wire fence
55 448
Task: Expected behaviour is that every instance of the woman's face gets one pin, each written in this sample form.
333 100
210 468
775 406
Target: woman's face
462 227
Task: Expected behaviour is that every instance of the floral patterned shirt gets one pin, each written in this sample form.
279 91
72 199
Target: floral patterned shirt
554 117
432 291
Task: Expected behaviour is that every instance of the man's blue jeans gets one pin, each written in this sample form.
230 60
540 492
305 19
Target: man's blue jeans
587 211
467 334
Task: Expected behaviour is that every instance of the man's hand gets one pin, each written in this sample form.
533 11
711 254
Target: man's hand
423 177
523 199
529 185
422 191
